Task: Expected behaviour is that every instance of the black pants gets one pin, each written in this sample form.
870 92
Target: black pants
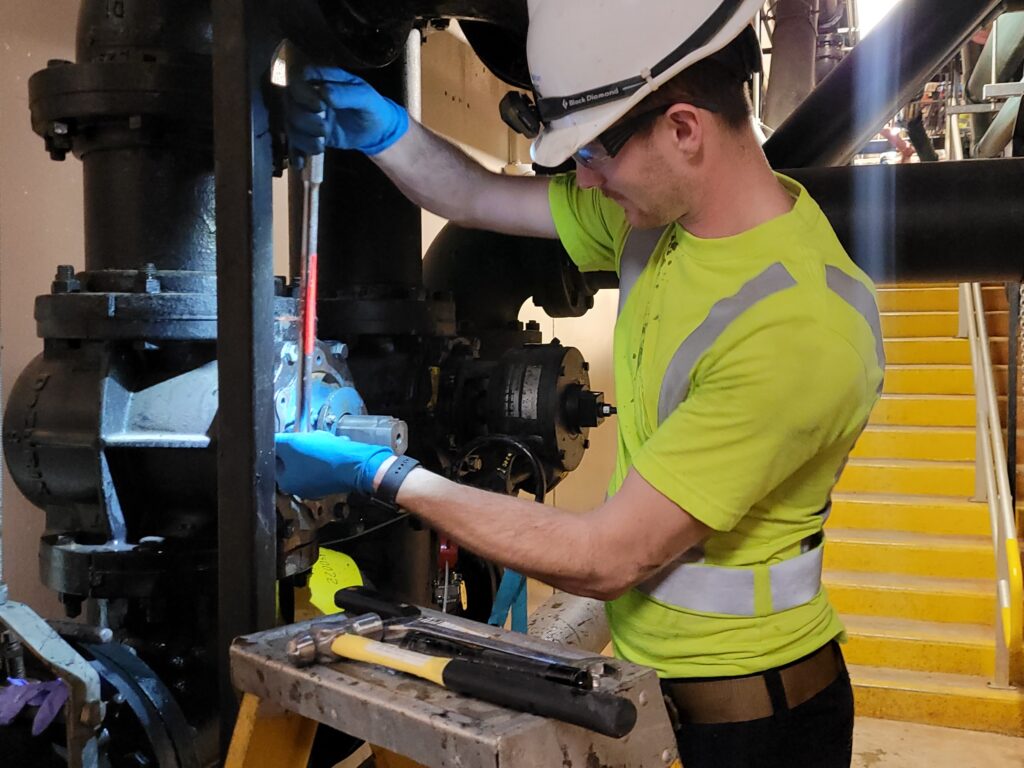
816 734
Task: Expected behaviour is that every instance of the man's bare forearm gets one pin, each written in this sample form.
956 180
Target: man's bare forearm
440 177
542 542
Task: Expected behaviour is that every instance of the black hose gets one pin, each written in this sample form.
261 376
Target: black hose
540 479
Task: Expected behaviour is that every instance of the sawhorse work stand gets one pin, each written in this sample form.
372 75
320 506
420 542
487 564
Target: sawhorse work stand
422 722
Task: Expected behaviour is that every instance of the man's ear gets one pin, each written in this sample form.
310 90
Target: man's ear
687 124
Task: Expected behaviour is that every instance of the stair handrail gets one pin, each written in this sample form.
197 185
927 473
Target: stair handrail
992 484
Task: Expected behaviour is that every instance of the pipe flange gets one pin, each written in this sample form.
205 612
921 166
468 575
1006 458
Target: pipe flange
133 316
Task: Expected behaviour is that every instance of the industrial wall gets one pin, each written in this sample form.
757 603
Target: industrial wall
41 227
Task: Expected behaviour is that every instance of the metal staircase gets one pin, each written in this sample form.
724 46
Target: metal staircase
911 562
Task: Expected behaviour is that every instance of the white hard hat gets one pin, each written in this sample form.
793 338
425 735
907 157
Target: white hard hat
591 61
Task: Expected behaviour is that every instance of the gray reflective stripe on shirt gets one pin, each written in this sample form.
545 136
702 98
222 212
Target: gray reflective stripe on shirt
731 591
796 581
858 296
636 252
676 384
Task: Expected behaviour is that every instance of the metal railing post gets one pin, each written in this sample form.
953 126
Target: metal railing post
992 470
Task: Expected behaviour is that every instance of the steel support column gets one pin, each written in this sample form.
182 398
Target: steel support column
245 343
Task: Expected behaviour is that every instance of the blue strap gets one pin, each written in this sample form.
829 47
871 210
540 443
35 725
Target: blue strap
511 597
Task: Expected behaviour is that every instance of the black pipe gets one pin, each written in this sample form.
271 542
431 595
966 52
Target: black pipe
145 31
931 222
148 204
880 75
926 222
490 276
370 233
135 108
149 194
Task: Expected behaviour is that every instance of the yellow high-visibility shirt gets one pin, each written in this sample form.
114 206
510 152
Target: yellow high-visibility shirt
776 387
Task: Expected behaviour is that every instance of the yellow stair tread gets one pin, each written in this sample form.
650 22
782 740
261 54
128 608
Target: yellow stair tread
906 539
930 312
920 313
935 367
903 396
916 441
913 499
927 339
909 583
938 698
910 500
931 682
932 514
867 461
914 629
918 429
920 432
934 297
903 324
930 286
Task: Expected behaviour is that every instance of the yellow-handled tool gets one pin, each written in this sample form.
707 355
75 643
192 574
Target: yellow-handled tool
527 691
602 712
391 656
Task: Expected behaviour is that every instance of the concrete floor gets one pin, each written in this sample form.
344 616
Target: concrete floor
890 744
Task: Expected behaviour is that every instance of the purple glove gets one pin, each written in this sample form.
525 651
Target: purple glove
49 697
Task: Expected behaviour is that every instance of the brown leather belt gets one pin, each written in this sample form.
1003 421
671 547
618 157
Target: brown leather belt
752 697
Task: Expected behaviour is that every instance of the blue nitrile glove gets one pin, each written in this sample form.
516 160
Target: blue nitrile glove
312 465
511 597
18 694
332 105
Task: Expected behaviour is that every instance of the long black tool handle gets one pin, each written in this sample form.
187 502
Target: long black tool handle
602 712
363 600
563 674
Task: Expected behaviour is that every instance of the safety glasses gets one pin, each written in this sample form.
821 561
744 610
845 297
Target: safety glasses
608 144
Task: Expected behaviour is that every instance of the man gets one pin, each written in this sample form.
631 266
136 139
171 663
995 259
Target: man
747 360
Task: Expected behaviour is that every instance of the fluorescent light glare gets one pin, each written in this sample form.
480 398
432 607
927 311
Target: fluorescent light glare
870 12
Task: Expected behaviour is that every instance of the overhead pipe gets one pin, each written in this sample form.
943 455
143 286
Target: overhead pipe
794 47
970 54
1006 45
880 75
898 223
906 222
830 51
830 13
999 134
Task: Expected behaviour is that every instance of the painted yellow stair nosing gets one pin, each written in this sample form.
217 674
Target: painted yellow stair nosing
928 410
968 557
934 299
910 514
936 323
938 379
922 598
937 350
922 646
908 476
901 441
954 701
